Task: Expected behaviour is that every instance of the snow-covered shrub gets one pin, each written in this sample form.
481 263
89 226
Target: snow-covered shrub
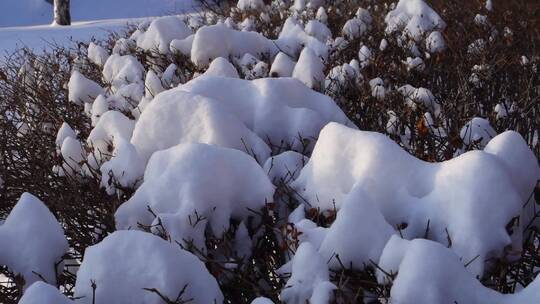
171 129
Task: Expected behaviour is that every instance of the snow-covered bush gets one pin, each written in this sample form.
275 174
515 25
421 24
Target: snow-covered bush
230 141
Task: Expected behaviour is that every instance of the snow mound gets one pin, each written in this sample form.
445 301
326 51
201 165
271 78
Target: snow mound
310 279
43 293
477 131
97 54
218 40
414 19
358 235
221 67
449 197
284 167
32 241
122 70
176 184
82 90
279 110
127 262
175 117
161 32
423 265
309 69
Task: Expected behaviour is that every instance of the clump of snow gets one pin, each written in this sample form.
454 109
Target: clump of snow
43 293
293 39
412 192
318 30
283 66
422 265
420 96
111 127
175 117
161 32
262 300
250 5
152 85
309 281
182 46
378 90
435 42
309 69
357 26
176 184
215 41
357 237
33 242
221 67
64 132
477 131
82 90
73 155
414 19
277 109
127 262
284 167
365 55
522 165
97 54
122 70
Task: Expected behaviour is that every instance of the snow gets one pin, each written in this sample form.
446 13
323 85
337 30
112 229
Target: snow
32 241
161 32
122 70
262 300
309 281
318 30
126 262
283 66
450 195
97 54
293 38
309 69
64 132
413 18
111 127
278 110
250 5
423 265
176 185
284 167
215 41
420 96
43 293
354 28
358 223
478 130
38 12
175 117
435 42
221 67
82 90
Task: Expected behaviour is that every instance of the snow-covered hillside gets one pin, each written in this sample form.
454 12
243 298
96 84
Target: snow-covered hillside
40 12
293 152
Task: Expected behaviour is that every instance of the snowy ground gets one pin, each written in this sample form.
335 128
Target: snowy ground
26 23
40 36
